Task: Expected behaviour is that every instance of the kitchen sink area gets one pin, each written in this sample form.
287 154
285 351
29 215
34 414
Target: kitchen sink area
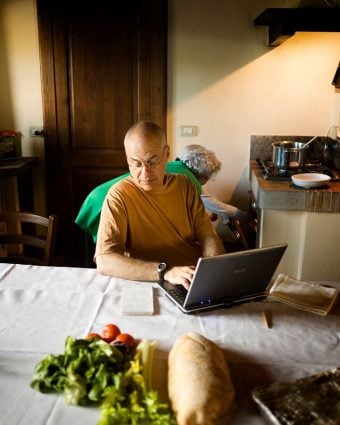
308 219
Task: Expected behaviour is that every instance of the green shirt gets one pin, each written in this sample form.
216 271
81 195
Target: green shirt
89 213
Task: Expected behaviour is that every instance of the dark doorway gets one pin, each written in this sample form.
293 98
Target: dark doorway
103 67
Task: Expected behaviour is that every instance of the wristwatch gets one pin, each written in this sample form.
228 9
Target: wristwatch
161 268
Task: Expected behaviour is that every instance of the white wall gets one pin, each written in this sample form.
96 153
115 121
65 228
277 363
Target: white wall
20 87
21 74
221 77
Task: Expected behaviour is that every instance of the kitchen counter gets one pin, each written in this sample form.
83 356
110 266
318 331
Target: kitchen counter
308 220
283 195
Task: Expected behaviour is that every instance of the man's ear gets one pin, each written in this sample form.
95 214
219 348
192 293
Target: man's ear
167 148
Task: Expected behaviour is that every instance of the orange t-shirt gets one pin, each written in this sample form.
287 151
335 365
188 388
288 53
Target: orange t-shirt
163 225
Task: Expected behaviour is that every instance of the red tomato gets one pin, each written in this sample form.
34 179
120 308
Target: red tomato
93 335
110 332
127 339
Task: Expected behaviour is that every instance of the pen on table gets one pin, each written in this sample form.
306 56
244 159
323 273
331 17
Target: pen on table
267 319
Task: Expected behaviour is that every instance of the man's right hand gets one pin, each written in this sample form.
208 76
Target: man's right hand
180 275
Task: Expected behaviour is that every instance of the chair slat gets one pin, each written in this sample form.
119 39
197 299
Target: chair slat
24 237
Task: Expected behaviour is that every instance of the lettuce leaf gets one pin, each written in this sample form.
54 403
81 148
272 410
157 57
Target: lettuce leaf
93 372
82 372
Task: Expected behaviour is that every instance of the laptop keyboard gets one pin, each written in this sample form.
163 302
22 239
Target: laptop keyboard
178 292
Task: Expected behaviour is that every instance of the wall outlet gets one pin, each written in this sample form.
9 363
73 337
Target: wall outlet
36 131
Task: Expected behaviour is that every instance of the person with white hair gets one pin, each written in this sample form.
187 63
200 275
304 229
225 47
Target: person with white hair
204 164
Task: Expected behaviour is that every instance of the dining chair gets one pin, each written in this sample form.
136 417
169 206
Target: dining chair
27 238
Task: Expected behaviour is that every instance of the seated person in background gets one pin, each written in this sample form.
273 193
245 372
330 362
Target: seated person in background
196 162
204 164
152 218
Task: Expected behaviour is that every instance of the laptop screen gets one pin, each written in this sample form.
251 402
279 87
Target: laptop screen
230 278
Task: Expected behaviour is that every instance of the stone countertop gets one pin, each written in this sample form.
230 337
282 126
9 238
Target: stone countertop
282 195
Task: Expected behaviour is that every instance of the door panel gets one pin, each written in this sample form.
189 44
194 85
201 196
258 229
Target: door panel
102 87
103 68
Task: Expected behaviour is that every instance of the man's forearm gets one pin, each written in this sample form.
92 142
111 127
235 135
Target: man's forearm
212 245
120 266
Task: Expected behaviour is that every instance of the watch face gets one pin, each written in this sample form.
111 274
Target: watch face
161 267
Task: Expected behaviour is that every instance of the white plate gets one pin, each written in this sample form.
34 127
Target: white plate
310 179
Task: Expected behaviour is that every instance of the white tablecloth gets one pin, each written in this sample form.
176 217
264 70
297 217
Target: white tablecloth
41 306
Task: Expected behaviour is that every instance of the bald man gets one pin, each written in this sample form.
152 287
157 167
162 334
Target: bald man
153 225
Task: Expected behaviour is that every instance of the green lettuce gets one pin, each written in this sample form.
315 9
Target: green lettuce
93 372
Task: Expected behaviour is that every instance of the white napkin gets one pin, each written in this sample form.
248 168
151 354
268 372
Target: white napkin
137 300
310 296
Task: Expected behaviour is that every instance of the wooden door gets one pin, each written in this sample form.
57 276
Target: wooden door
103 66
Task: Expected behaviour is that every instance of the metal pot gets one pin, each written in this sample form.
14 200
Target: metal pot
288 155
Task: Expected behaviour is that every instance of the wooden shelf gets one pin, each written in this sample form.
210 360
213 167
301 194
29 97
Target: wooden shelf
282 23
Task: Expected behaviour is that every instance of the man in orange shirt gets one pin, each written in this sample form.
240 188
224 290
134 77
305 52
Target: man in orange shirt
153 225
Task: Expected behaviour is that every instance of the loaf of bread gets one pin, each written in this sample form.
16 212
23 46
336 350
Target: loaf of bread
199 383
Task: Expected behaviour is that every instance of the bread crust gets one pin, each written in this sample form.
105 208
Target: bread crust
199 383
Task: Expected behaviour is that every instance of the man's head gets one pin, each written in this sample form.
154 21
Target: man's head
147 154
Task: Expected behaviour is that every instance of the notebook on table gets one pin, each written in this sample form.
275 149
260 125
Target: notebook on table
228 279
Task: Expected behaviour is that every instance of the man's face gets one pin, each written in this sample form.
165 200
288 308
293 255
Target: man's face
147 160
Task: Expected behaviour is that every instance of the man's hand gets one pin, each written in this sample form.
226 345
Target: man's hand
181 275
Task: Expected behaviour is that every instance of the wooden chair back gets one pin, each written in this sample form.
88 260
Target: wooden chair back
27 238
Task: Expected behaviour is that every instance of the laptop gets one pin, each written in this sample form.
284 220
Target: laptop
226 280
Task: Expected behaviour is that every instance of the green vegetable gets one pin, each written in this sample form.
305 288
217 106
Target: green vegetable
93 372
132 401
82 373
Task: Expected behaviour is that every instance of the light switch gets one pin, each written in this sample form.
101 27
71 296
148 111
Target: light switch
189 130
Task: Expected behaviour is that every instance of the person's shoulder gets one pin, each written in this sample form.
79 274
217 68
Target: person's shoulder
178 167
181 180
121 185
123 182
178 178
